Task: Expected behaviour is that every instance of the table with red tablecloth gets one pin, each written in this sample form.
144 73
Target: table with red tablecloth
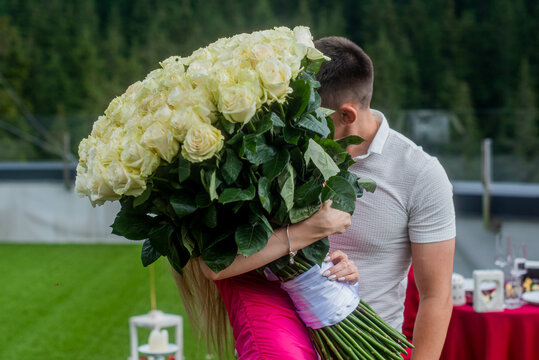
506 335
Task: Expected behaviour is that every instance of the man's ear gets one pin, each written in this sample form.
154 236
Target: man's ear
347 114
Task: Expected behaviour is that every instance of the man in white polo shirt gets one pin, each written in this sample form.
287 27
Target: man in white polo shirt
408 219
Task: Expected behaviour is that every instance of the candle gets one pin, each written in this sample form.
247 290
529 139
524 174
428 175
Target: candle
158 340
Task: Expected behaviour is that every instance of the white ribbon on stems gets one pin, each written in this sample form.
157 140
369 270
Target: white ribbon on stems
320 302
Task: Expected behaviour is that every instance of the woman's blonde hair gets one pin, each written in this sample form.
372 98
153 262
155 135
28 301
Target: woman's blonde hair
204 308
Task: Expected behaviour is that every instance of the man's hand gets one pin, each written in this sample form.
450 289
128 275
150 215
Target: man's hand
328 221
343 270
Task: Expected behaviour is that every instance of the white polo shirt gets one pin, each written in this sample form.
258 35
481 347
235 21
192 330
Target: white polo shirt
413 202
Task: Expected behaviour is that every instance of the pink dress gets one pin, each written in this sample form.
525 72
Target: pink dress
263 319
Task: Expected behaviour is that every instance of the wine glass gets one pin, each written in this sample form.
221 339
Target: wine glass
502 255
516 271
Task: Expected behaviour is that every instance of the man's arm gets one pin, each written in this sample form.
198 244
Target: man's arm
433 267
324 222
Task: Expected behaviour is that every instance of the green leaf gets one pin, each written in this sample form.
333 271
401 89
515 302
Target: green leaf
331 126
232 167
255 209
212 190
352 180
309 122
316 252
314 101
264 193
263 125
307 193
325 111
337 153
349 140
235 139
314 65
281 215
178 255
299 98
251 238
132 225
220 255
236 194
183 204
341 192
210 217
202 200
367 184
291 135
184 169
298 214
276 120
188 241
256 150
226 125
274 167
286 184
143 197
159 237
321 160
148 254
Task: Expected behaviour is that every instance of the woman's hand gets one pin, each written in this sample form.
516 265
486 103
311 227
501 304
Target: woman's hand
344 268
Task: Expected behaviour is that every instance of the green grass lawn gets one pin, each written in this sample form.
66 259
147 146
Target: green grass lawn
74 301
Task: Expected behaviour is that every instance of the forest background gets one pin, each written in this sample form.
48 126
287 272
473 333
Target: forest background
61 62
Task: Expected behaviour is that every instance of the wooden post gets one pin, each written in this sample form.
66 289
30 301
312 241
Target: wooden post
486 179
152 287
66 173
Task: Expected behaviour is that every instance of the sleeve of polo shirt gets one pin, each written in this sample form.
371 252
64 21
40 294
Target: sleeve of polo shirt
431 209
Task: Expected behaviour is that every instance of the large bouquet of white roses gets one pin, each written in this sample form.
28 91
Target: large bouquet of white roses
210 152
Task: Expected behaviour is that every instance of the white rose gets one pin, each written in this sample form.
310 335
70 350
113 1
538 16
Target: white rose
115 108
159 139
305 44
275 76
81 181
96 186
202 142
238 103
135 156
173 63
260 52
163 114
198 71
303 36
178 95
182 120
156 101
124 182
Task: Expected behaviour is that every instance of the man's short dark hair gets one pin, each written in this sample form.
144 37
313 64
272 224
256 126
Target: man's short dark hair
348 77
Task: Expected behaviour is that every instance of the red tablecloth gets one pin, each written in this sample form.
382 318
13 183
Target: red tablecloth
507 335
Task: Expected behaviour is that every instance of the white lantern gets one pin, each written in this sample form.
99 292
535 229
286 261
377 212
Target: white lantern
493 301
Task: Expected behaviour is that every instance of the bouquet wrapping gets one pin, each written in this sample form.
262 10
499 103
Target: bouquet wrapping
211 152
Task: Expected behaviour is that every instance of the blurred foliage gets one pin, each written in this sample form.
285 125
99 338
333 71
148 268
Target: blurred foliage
67 59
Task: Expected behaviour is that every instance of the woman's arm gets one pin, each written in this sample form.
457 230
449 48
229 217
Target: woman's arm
324 222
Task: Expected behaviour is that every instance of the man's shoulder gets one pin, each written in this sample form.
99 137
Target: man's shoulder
408 153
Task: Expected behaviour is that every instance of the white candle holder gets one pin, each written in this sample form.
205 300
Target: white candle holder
156 319
494 300
457 290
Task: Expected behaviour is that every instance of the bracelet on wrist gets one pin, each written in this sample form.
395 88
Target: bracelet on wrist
291 253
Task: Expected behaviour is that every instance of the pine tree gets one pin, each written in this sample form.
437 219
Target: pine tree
526 140
13 73
261 15
330 21
388 87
